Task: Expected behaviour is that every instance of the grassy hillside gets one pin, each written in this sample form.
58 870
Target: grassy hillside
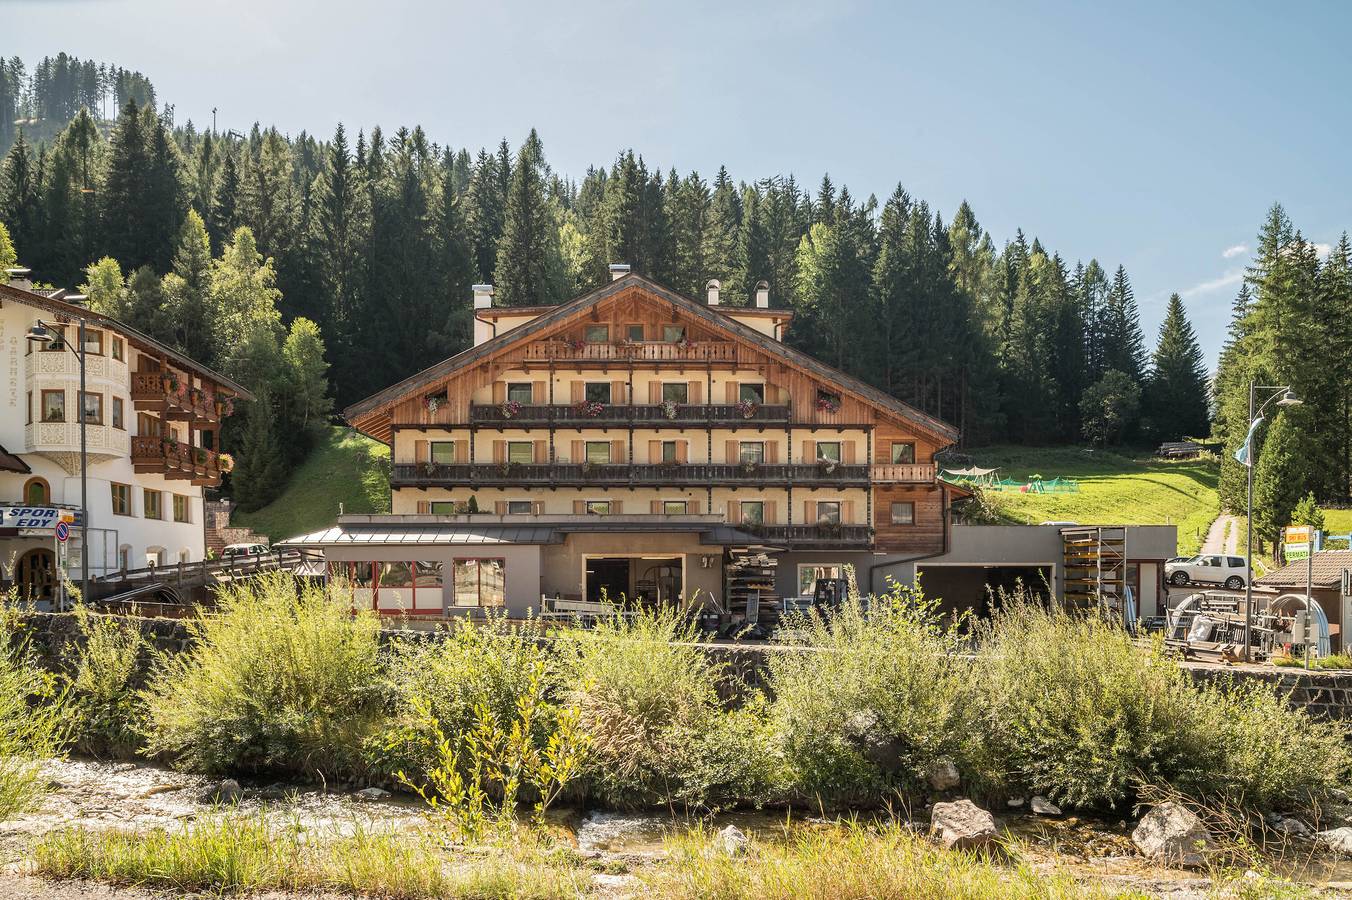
1115 489
344 468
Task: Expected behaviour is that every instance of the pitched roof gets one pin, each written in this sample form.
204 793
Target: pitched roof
713 316
1328 571
54 304
11 463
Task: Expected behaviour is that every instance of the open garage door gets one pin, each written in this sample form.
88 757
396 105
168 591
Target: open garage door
966 587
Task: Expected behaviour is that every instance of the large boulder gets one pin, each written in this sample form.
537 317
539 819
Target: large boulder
222 792
1171 833
1339 840
732 841
1041 806
962 825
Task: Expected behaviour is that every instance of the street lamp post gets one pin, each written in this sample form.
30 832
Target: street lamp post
41 333
1288 398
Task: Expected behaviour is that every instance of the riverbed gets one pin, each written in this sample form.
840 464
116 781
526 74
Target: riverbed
143 796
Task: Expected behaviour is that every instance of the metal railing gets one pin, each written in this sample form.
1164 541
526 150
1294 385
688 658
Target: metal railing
820 535
536 414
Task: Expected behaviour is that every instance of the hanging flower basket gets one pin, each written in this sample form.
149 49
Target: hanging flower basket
828 466
170 382
226 462
827 403
748 408
576 344
750 468
685 345
669 408
433 404
510 409
590 409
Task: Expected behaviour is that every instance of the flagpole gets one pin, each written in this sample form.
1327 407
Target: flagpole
1248 555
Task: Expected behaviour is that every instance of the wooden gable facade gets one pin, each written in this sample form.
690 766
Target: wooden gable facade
820 439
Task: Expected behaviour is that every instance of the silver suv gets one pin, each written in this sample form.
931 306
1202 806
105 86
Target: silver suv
1227 571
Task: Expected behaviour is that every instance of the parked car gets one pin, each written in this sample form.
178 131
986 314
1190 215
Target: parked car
233 550
1227 571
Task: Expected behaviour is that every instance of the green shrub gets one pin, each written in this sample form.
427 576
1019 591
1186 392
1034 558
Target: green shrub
280 679
438 687
31 720
105 714
1076 709
873 698
649 706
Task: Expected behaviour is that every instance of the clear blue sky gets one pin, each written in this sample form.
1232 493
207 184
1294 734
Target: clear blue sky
1154 135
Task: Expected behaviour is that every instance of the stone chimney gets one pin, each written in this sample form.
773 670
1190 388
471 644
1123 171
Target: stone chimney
713 287
19 278
618 271
483 296
762 295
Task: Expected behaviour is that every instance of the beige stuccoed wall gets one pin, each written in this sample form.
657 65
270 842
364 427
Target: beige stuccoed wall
556 503
563 564
521 570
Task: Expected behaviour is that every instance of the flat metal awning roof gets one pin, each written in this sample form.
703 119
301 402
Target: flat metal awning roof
403 535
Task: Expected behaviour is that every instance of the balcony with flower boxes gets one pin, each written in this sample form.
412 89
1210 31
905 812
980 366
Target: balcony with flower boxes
450 475
682 351
821 536
169 394
520 415
177 460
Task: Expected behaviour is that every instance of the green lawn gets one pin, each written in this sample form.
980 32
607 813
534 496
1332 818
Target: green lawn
345 468
1338 521
1115 489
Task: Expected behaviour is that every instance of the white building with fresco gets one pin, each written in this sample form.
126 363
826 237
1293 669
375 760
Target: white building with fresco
152 423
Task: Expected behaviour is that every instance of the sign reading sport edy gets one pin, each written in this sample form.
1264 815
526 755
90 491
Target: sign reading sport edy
35 518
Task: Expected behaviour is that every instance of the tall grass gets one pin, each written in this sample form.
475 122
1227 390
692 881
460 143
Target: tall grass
847 862
873 700
243 854
649 705
1074 708
31 720
105 715
280 679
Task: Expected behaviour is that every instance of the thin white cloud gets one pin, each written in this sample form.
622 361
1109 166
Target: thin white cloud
1322 250
1236 250
1229 279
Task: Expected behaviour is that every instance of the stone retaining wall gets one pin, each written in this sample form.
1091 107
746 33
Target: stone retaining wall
55 636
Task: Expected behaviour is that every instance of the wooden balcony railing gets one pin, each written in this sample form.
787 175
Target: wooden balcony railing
177 460
538 415
641 351
156 391
824 536
898 473
621 474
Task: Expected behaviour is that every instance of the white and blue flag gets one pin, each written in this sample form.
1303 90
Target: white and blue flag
1245 452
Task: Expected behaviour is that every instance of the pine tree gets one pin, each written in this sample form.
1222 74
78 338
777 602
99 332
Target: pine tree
9 257
1287 464
19 204
725 221
260 470
1175 403
224 218
127 229
484 215
186 292
529 265
1123 346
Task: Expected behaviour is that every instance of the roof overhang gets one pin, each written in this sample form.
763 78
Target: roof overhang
139 340
11 463
371 415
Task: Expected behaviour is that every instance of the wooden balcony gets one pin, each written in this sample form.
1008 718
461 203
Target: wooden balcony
153 391
903 473
572 416
622 475
814 537
635 351
176 460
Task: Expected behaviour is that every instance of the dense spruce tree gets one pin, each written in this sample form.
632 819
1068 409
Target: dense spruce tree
225 217
529 270
1122 346
485 210
690 207
1175 400
720 236
186 291
9 257
20 180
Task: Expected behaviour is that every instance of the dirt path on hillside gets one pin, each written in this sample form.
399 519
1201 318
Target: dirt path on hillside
1221 539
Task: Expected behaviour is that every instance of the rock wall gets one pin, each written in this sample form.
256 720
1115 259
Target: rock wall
1327 695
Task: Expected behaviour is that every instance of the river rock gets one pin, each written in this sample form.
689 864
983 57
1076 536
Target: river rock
224 792
943 776
1043 807
371 793
732 841
1172 833
1339 840
1291 827
1014 802
962 825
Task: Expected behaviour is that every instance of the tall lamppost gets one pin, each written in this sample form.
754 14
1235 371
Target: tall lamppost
1284 397
41 333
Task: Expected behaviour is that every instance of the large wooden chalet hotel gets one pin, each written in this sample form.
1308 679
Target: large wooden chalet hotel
635 443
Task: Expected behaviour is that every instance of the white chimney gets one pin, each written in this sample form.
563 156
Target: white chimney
18 278
618 271
762 295
483 296
713 287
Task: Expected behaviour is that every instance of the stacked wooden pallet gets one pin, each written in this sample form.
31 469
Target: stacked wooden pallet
752 596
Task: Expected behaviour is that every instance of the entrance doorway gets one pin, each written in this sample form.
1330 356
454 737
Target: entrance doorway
960 588
640 580
35 575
